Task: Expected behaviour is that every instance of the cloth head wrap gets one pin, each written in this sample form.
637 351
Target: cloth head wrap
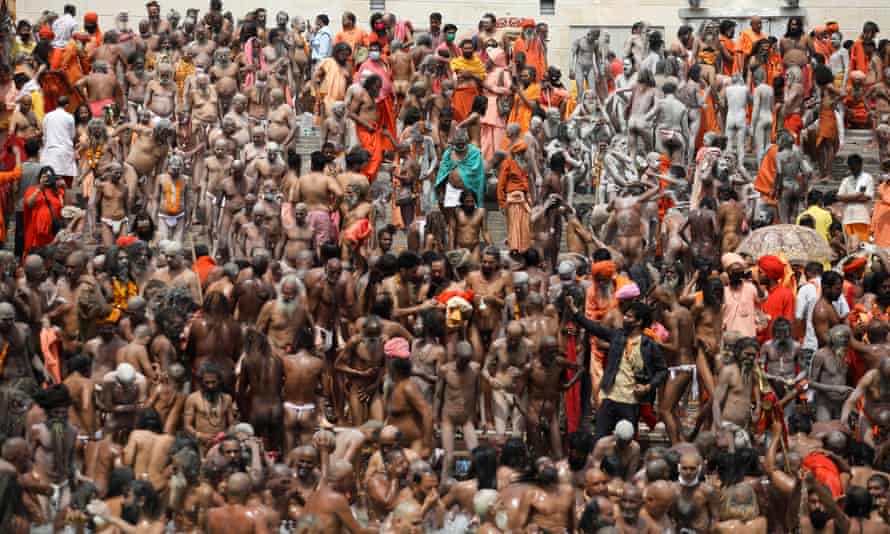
604 269
771 267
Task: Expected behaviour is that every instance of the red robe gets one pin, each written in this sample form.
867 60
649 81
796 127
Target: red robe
38 221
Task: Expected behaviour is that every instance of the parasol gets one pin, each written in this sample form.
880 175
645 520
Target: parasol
791 241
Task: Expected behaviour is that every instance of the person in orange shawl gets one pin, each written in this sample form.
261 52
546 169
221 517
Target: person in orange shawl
469 73
376 64
350 34
747 39
514 200
525 98
728 50
858 58
530 45
601 305
822 43
43 207
779 301
856 112
880 216
766 174
7 177
332 78
828 137
91 27
72 59
363 110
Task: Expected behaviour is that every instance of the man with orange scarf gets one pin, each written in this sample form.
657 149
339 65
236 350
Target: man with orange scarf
363 110
600 304
513 198
747 39
375 64
525 98
532 47
727 47
469 73
779 301
858 57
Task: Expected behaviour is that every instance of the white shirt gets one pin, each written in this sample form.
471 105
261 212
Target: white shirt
58 142
858 212
807 297
63 28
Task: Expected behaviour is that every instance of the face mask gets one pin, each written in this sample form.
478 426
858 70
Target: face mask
378 27
490 50
449 37
529 34
736 278
468 55
374 55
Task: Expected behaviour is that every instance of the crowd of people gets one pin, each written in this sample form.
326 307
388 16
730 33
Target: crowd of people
197 334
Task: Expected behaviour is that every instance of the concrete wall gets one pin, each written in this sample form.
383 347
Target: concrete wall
570 20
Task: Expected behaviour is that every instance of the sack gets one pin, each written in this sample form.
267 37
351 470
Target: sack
505 102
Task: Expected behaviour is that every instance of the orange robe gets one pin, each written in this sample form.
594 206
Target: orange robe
38 221
828 130
858 58
373 143
5 178
709 120
729 68
766 174
462 101
521 114
70 62
747 40
880 217
353 37
513 200
774 68
534 55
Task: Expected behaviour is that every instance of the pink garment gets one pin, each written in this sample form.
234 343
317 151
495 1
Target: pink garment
287 214
740 310
50 343
497 82
402 29
250 77
380 68
323 229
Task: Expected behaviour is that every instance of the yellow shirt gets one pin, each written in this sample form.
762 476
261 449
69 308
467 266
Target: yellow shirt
822 217
625 380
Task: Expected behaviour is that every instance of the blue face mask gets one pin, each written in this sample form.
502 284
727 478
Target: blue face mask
374 54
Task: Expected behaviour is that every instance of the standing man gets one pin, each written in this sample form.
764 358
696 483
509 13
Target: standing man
58 141
634 366
857 191
530 45
323 39
747 39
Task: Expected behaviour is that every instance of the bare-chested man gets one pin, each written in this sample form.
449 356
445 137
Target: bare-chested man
697 498
160 94
208 411
176 274
458 397
505 371
53 444
361 361
112 198
491 285
302 390
281 319
703 227
101 88
168 398
319 192
671 118
408 410
730 219
467 224
259 390
736 386
642 101
627 212
550 504
235 517
282 120
148 449
331 503
828 375
224 75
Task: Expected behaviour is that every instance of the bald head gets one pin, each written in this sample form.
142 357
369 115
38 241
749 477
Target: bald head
659 498
238 487
32 262
339 471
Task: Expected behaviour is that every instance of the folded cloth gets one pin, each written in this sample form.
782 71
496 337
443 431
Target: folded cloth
397 347
627 291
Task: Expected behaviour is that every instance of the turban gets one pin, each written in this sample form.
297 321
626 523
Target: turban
731 258
55 396
627 291
771 267
126 240
605 269
527 22
832 27
90 18
397 347
45 33
854 265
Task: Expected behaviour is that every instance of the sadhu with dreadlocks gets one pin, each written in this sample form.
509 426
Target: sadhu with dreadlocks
53 442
